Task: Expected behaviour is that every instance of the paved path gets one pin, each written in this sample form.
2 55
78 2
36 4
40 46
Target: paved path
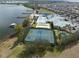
5 47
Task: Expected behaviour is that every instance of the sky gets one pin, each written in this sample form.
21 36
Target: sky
69 0
74 0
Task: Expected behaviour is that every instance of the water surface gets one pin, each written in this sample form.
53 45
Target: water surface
8 15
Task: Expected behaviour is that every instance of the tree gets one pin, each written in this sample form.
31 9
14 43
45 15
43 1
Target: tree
26 22
18 28
35 49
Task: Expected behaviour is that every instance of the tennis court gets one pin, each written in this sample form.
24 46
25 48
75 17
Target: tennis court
40 34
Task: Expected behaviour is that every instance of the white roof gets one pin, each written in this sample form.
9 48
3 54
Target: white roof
42 25
59 21
34 15
56 19
41 19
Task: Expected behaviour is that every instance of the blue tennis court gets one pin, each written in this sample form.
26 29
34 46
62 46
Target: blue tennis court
40 34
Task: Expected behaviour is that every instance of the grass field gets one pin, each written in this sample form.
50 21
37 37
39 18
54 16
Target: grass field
42 10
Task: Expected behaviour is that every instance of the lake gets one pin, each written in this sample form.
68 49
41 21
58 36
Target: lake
8 15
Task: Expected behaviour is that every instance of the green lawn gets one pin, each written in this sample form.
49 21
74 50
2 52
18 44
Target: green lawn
42 10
